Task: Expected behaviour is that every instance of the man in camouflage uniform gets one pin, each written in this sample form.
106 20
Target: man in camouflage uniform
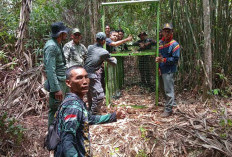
74 119
54 63
95 57
74 51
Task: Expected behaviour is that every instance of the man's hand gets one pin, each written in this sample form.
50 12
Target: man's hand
142 45
59 95
129 38
120 114
159 59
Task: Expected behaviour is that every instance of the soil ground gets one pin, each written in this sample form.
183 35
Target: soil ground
142 133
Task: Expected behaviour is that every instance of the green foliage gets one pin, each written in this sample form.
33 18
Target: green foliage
216 91
10 131
9 18
131 19
3 57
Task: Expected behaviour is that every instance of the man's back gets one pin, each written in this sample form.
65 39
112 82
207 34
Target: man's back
95 57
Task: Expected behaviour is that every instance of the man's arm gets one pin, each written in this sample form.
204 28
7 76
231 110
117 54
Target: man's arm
71 119
112 60
66 50
85 51
108 118
173 59
50 66
120 42
100 119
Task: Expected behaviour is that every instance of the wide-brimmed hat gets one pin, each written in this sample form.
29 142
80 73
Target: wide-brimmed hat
58 28
101 36
168 26
142 33
76 30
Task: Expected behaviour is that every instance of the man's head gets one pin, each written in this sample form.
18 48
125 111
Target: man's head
76 35
107 30
59 30
77 80
142 35
114 35
167 31
101 38
120 34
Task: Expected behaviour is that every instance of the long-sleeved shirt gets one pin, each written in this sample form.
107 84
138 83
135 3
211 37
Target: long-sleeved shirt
73 127
95 57
74 54
54 62
171 53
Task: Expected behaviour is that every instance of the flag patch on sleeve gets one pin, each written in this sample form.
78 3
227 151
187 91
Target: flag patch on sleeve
70 117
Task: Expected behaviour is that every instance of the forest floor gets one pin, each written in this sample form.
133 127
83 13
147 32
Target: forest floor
196 128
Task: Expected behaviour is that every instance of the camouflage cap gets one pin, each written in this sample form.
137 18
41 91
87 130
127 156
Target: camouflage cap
101 36
76 30
168 26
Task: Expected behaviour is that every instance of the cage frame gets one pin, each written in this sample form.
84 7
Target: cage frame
157 2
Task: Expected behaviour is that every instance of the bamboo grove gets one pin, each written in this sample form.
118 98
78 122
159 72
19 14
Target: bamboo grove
186 16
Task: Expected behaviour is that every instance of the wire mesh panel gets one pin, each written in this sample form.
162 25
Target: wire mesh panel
141 67
133 69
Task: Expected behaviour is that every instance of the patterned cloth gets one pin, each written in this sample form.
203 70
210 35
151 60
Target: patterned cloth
73 127
74 54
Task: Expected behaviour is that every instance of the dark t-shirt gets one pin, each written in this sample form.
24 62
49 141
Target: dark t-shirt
95 57
108 47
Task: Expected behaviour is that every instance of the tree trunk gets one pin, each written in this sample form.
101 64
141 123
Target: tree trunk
207 48
22 30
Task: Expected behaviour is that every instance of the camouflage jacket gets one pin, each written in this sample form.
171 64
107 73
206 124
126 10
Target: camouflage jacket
73 127
54 63
74 54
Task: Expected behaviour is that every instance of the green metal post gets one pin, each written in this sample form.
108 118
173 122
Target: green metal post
105 64
157 55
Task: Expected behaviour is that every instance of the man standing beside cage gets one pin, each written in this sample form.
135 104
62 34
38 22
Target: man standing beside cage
54 63
95 57
75 52
144 61
169 51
